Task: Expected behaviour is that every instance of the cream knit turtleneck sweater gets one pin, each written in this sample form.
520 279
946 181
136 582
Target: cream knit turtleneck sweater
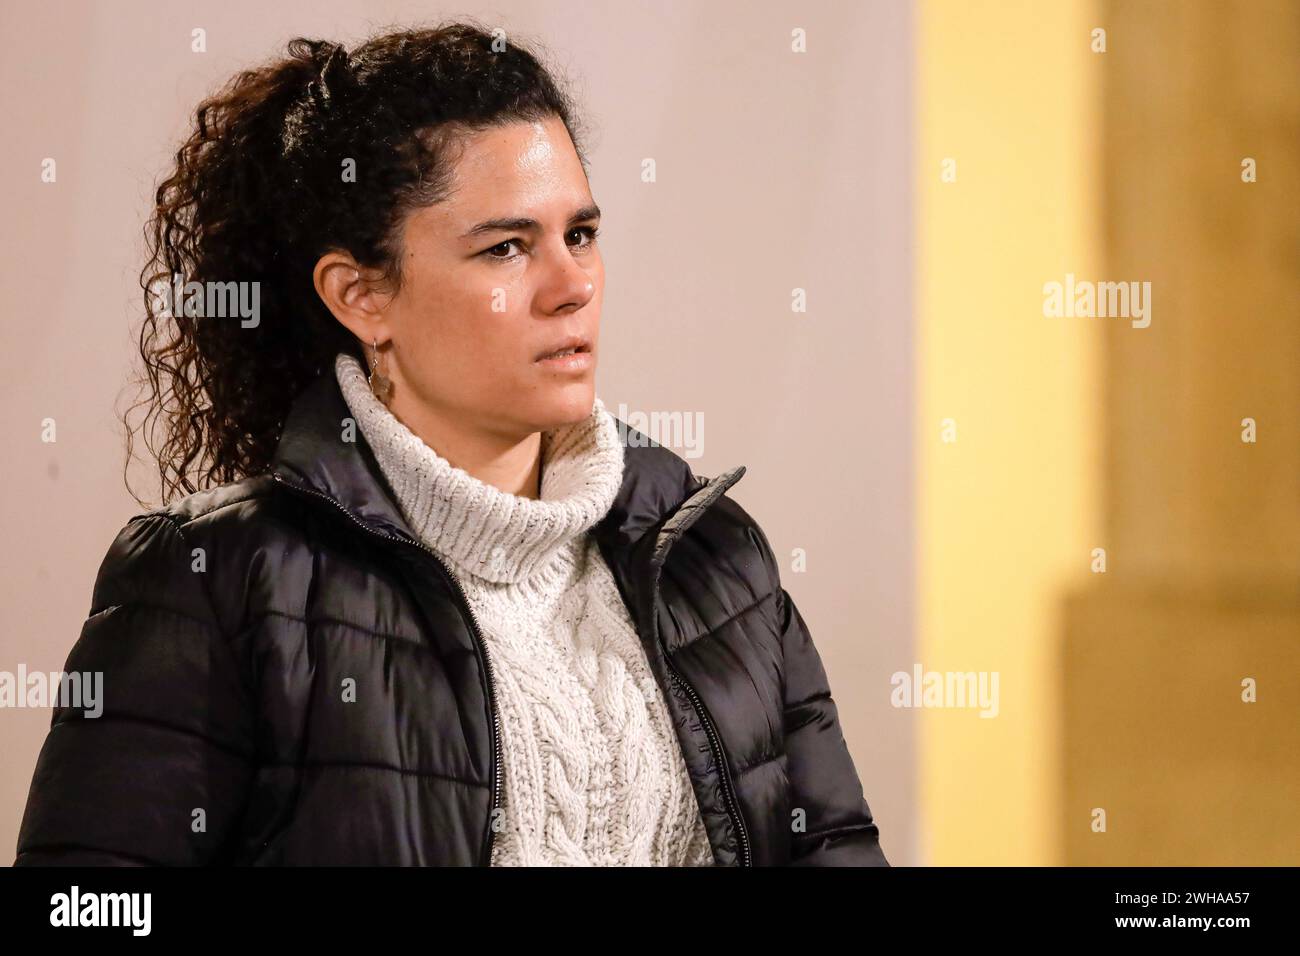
593 772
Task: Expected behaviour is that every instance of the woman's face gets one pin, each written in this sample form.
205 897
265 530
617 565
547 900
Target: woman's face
501 273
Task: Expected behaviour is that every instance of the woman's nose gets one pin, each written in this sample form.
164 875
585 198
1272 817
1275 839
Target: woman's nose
568 279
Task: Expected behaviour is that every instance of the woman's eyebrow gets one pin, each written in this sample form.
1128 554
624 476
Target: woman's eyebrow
524 224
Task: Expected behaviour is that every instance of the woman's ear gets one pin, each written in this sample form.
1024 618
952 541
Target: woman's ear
354 295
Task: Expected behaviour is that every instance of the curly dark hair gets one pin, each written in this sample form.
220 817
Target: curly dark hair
260 192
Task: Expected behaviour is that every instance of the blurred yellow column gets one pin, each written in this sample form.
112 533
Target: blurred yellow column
1007 191
1200 603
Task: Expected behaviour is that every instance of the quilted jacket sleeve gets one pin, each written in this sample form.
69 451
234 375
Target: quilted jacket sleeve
152 765
839 830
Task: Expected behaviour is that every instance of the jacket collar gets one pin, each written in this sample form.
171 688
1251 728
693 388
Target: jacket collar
313 455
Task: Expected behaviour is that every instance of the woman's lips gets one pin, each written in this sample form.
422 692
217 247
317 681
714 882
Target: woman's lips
573 362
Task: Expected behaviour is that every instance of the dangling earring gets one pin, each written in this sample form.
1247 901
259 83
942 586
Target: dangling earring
380 384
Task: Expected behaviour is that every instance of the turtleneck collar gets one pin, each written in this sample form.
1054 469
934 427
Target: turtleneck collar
477 528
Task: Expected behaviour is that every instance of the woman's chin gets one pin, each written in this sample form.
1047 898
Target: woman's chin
563 404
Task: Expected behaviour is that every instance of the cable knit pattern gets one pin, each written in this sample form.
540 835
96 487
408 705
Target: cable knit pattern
594 775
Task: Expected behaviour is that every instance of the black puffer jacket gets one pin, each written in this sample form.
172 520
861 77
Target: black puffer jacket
227 625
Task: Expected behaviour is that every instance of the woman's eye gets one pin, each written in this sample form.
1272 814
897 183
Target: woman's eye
591 232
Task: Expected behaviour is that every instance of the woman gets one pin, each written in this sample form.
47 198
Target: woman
432 604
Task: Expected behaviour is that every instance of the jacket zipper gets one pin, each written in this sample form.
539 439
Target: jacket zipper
719 756
479 644
733 806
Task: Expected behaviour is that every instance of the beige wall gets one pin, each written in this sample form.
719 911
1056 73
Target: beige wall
775 171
